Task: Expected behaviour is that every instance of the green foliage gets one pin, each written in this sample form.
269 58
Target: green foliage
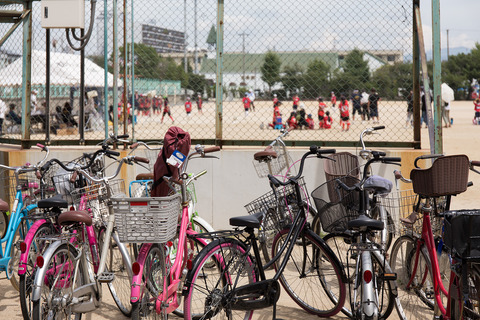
271 69
315 80
293 78
196 82
355 75
390 78
146 60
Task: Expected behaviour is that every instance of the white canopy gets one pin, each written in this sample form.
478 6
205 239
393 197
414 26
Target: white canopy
64 70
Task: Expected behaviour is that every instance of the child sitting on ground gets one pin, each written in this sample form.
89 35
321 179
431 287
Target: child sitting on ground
311 123
327 121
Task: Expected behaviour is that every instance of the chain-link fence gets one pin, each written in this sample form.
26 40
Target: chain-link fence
329 69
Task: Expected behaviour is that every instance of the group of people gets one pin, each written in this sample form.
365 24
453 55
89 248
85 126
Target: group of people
366 105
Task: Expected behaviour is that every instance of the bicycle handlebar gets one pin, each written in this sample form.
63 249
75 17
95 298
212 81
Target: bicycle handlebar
28 167
313 150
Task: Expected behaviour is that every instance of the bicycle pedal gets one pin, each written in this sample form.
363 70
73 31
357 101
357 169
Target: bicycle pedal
106 277
390 276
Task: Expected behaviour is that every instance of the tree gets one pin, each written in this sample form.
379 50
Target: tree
355 66
212 38
390 79
315 80
271 69
293 77
146 60
196 82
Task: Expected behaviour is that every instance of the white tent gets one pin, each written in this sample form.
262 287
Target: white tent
64 70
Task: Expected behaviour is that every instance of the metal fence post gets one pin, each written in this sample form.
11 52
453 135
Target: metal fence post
437 76
26 75
219 82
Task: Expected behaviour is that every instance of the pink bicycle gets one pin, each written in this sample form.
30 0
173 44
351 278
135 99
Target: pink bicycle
159 271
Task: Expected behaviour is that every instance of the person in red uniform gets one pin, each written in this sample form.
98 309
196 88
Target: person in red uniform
327 121
166 109
246 103
333 99
276 113
188 106
344 114
311 123
296 101
321 111
292 120
275 99
476 106
199 104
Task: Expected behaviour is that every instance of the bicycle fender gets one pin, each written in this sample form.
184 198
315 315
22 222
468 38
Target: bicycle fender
388 269
22 265
40 275
203 223
137 279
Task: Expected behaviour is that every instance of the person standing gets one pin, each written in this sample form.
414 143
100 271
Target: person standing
409 121
166 109
344 114
476 107
246 103
373 100
251 96
199 104
364 103
321 111
357 105
275 100
3 110
296 101
446 115
188 106
423 99
333 99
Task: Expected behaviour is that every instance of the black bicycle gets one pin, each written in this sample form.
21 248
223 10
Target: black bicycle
226 281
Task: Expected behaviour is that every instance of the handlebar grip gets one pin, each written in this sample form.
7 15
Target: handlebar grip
344 186
378 128
74 177
475 163
141 159
38 174
41 146
211 149
391 159
469 184
112 153
397 174
134 145
123 136
275 181
326 151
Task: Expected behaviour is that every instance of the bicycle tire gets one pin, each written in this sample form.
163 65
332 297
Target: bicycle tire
63 261
466 308
418 299
154 271
340 244
12 267
3 224
222 264
325 269
390 233
37 247
120 286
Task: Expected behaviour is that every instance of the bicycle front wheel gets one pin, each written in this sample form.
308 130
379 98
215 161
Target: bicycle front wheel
58 285
312 276
153 275
221 266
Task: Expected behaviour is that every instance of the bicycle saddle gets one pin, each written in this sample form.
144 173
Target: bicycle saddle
71 217
144 176
3 206
364 222
378 184
252 221
56 201
267 153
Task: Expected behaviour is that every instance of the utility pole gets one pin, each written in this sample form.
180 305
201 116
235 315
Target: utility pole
196 48
243 35
448 45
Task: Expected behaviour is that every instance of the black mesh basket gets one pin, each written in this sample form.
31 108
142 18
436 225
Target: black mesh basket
462 235
335 206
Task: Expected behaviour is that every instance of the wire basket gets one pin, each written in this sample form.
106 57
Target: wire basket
30 186
274 166
152 155
141 220
278 206
335 206
140 188
94 198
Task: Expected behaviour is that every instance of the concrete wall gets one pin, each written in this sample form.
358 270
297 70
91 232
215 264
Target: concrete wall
231 181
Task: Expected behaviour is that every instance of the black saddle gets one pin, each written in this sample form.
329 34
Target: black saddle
54 202
252 221
365 223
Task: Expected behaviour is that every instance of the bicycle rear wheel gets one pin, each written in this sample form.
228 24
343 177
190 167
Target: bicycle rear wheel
221 266
311 268
12 268
466 308
3 224
152 284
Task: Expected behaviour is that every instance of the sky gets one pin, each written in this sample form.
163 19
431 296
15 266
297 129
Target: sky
460 17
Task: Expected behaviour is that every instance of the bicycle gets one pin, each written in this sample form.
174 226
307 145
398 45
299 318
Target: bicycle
70 272
227 281
372 287
20 193
45 224
424 268
158 276
274 160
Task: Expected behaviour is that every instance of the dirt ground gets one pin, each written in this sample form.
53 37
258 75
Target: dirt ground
463 137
